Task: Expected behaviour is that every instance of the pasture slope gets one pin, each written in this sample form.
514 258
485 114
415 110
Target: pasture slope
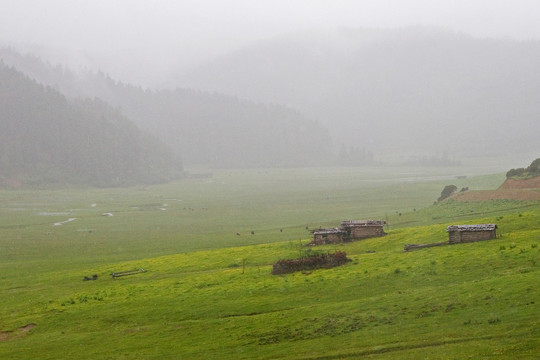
468 301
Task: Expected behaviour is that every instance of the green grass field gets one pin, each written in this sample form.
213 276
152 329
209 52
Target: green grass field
207 292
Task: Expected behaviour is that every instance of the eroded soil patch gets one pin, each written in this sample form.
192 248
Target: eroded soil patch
22 331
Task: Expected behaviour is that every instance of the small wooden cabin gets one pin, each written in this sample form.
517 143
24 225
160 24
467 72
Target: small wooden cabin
350 230
469 233
363 229
328 236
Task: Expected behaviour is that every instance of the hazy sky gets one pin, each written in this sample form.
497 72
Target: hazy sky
123 35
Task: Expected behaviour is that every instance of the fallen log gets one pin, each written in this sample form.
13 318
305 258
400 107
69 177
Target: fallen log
409 247
127 273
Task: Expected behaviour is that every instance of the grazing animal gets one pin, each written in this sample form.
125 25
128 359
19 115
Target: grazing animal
237 234
253 233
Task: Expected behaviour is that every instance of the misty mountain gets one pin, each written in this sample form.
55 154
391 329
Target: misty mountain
204 128
223 131
417 89
47 138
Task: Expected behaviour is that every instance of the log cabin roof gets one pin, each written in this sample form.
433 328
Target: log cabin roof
363 223
328 231
477 227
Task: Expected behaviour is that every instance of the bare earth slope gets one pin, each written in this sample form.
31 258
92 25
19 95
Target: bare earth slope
512 189
532 183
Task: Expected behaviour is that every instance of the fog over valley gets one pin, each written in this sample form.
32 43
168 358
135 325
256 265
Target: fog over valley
263 84
269 179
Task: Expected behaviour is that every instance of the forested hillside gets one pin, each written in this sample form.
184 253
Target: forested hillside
204 128
418 89
47 138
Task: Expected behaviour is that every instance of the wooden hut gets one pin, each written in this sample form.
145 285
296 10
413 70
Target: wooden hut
363 229
328 236
470 233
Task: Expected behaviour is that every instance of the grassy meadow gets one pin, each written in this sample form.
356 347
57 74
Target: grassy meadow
207 292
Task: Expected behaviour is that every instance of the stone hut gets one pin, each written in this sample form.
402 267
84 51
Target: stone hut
363 229
469 233
328 236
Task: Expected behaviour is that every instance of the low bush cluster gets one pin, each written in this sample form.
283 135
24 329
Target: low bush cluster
316 261
531 171
447 192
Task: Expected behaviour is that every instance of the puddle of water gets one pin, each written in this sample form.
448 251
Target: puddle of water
64 222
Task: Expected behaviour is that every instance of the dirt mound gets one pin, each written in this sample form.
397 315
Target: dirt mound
511 194
532 183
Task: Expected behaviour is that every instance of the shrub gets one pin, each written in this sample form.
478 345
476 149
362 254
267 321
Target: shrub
515 172
534 168
447 192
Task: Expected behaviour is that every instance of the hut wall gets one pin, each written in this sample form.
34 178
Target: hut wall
455 237
321 239
361 232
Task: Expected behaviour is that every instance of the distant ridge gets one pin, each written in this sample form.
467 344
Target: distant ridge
412 89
